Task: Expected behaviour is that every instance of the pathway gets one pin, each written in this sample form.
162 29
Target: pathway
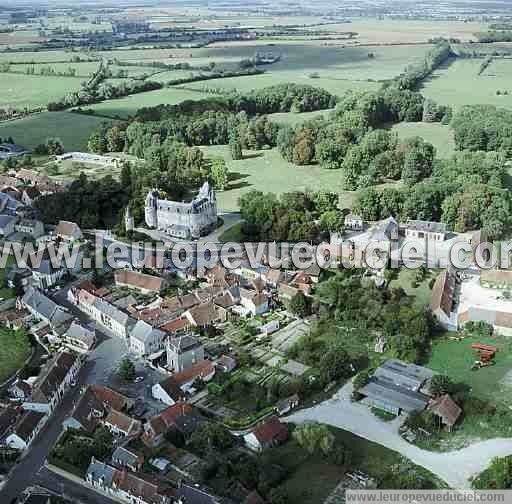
455 468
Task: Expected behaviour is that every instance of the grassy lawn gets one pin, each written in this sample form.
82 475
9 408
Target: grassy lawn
232 234
441 137
5 292
312 478
73 129
267 171
293 119
422 293
455 358
459 84
128 106
14 351
34 90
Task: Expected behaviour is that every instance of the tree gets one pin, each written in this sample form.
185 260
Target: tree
440 385
54 147
304 148
278 496
219 172
235 146
211 436
127 370
299 305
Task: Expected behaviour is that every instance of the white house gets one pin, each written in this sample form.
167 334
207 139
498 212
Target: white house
354 222
7 224
145 339
266 435
32 227
26 430
52 383
68 231
418 229
168 392
256 302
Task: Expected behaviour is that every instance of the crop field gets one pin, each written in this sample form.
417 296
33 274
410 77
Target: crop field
125 107
38 56
266 171
459 84
400 31
73 129
166 76
440 136
18 90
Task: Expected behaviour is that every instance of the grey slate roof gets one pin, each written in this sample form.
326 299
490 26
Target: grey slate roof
427 226
98 471
386 230
184 343
404 374
387 392
144 331
124 457
114 313
45 307
5 220
194 495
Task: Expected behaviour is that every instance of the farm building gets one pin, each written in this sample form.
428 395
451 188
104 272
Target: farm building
442 301
446 409
397 386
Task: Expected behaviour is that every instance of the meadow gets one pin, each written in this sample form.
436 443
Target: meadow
14 351
455 359
17 90
292 118
43 56
440 136
267 171
125 107
458 83
73 129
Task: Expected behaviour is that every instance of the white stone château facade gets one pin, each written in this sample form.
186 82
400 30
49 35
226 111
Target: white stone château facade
183 220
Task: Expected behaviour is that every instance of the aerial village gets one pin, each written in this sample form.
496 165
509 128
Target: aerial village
179 363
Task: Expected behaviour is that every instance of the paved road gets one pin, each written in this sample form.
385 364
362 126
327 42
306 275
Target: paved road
69 489
456 467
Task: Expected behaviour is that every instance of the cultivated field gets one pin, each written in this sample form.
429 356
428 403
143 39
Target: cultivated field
38 56
73 129
266 171
31 91
441 137
459 84
128 106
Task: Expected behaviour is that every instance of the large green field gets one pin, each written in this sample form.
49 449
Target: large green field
73 129
33 90
440 136
459 84
267 171
455 358
128 106
292 118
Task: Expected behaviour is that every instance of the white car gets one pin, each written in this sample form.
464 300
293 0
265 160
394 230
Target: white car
138 379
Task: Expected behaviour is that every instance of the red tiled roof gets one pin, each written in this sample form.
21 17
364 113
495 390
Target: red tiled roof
271 430
176 325
446 408
123 422
442 293
139 280
200 370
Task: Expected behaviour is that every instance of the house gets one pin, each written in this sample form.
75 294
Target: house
269 328
145 339
286 405
32 227
106 314
183 352
204 370
286 292
100 476
9 205
43 308
156 428
46 271
7 225
129 459
354 222
20 389
186 494
226 363
254 301
176 326
418 230
68 231
53 382
26 430
10 150
397 386
18 277
442 301
271 432
79 338
94 405
496 279
134 489
446 409
122 425
168 392
206 314
14 318
30 195
147 284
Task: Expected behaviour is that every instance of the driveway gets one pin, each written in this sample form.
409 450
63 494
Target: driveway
455 468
